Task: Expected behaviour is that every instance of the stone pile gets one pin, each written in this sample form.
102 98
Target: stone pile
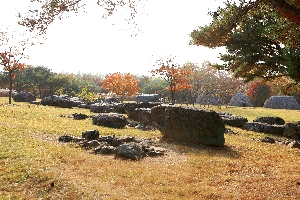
126 147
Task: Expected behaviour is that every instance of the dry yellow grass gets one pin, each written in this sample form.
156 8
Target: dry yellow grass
33 165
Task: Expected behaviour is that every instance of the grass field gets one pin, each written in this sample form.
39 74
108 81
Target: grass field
33 165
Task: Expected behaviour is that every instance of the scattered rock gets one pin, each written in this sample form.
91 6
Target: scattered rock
268 140
110 120
130 150
270 120
66 138
127 147
294 144
80 116
90 134
105 149
90 144
292 130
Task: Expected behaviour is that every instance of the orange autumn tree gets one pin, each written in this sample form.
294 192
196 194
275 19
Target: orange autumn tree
11 63
121 84
176 77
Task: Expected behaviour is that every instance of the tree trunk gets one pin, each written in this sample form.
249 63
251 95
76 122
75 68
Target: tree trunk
10 87
173 97
286 10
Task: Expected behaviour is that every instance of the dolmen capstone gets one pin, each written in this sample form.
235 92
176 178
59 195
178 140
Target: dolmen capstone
24 97
131 108
189 124
146 98
112 120
270 125
292 130
232 120
61 101
282 102
240 100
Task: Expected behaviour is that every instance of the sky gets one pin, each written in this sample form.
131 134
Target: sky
87 43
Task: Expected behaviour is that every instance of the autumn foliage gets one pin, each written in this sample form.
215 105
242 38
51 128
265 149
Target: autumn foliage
11 64
258 92
176 77
121 84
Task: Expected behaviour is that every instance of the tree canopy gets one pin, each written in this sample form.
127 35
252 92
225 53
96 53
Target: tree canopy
175 76
262 39
121 84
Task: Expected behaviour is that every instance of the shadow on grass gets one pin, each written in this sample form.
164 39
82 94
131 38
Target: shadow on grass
201 149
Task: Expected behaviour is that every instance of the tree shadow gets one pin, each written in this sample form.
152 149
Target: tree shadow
201 149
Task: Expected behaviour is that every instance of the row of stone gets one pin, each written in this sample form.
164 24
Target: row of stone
289 130
289 143
269 125
126 147
185 124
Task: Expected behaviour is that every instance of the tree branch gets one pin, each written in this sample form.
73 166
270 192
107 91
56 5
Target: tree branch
286 10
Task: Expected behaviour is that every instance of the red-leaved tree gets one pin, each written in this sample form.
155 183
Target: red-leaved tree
121 84
176 77
10 62
258 92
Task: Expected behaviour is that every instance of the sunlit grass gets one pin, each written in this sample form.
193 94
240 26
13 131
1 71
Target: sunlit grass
253 112
33 165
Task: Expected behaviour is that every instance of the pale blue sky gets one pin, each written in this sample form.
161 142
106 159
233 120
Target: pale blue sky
90 44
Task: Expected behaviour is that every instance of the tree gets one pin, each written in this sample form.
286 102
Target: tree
63 84
33 79
258 92
256 38
211 83
10 61
175 76
153 85
121 84
47 11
